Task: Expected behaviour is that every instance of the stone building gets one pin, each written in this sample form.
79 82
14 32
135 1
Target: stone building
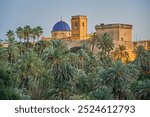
61 30
78 30
77 34
121 34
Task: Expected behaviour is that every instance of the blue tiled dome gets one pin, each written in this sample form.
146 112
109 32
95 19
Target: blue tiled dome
61 26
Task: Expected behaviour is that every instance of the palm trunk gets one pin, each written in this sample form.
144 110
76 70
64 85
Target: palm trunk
27 44
114 91
93 44
38 39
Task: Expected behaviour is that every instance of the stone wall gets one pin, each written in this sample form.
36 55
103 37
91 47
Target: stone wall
121 34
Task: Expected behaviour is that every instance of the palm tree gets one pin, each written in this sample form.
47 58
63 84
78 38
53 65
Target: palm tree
82 84
74 59
12 49
93 38
39 88
28 66
105 43
102 93
62 71
40 46
13 53
63 93
19 32
3 54
10 34
121 53
83 57
11 37
27 34
141 90
38 32
142 59
6 83
33 34
119 77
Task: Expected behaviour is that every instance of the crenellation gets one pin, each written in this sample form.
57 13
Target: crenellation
103 26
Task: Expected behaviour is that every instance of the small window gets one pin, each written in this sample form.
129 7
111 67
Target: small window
121 38
55 34
76 24
83 24
62 34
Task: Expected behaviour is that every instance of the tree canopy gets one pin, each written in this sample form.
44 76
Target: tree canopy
37 69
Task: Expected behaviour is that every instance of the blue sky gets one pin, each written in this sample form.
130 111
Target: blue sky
15 13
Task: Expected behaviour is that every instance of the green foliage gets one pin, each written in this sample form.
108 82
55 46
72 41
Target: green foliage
141 90
80 97
119 78
102 93
105 45
82 84
121 54
50 70
6 85
143 59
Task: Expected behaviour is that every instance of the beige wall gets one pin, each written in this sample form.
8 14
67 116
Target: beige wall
145 43
61 34
114 33
125 34
119 32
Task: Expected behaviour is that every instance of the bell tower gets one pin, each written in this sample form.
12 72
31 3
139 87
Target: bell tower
79 27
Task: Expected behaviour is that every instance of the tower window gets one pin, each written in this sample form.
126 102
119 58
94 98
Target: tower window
62 34
76 24
121 38
83 24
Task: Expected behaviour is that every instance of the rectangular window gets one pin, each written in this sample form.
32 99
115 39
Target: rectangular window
83 24
76 24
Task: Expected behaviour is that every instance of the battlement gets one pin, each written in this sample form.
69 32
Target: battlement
79 16
107 26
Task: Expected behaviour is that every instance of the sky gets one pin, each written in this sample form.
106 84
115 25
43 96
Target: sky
45 13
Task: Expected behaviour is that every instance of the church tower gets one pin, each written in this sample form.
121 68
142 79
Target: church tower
79 27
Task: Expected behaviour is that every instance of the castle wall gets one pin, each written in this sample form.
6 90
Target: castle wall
121 35
114 32
125 34
145 43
